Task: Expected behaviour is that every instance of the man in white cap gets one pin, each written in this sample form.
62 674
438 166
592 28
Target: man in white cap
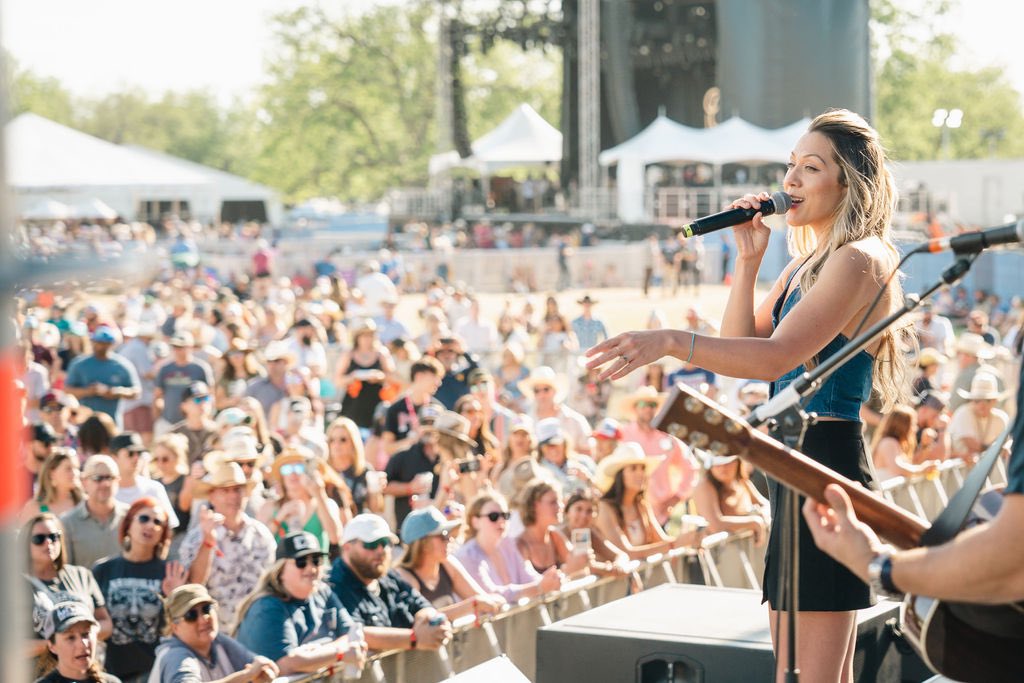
389 327
227 550
548 392
976 424
675 479
91 526
271 389
395 615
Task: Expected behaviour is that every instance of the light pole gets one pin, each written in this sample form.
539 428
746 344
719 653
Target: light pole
946 119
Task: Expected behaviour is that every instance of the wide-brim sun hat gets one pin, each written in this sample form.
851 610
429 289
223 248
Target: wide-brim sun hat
984 387
225 474
300 454
542 375
627 404
625 454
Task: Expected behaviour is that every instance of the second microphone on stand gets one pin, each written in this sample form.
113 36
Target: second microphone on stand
779 203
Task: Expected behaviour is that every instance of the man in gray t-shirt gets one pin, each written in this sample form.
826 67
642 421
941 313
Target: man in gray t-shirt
174 378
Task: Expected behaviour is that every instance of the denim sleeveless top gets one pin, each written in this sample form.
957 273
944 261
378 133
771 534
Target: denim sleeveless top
843 393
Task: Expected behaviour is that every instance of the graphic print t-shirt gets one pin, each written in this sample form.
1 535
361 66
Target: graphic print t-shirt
132 592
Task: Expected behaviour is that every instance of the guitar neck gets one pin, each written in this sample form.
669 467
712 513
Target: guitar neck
801 473
695 419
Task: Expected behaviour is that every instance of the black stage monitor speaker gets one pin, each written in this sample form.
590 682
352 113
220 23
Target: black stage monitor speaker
497 670
678 633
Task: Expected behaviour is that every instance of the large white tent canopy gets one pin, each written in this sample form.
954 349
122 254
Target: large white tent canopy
49 161
524 138
665 141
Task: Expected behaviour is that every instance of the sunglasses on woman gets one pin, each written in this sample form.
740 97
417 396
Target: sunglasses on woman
52 537
495 516
192 616
146 519
301 562
293 468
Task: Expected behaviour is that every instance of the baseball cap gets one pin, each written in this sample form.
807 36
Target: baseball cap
367 528
57 398
549 430
130 440
104 334
299 544
195 389
609 429
932 399
64 615
183 598
425 522
42 431
232 417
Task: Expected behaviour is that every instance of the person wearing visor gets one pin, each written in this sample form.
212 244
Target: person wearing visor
293 618
395 614
71 639
194 649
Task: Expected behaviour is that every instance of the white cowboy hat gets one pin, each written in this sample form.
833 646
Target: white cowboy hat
542 375
627 453
984 387
627 404
974 345
224 475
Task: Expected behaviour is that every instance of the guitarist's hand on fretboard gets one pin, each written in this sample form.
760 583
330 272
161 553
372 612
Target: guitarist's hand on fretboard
837 531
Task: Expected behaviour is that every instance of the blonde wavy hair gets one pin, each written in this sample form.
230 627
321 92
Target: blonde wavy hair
866 210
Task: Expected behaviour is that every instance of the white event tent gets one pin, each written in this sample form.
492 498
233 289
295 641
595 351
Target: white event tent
47 161
666 141
524 138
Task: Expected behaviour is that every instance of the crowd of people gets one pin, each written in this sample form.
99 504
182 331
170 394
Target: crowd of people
264 476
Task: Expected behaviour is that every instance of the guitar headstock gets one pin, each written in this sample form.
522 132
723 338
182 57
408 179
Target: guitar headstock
703 423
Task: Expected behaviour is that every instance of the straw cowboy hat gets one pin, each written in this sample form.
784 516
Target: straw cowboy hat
627 453
974 345
929 356
238 444
452 424
224 475
542 375
984 387
300 454
627 404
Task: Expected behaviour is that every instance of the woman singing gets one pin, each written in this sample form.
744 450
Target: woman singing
843 200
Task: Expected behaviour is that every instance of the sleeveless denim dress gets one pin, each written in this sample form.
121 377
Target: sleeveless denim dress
825 585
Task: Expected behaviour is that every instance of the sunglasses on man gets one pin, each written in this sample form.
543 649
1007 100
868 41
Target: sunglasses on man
100 478
379 543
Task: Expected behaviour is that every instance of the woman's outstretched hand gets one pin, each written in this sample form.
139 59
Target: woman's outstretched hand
624 353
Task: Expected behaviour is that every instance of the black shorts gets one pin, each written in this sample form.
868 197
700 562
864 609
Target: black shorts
825 585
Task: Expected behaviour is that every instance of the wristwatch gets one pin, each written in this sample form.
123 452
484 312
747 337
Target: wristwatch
880 577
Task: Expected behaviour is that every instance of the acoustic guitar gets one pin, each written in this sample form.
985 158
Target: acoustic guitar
965 642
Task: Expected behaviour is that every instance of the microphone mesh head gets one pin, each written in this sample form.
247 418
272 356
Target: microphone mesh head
781 202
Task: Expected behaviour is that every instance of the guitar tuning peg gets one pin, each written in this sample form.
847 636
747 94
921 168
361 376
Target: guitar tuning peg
733 427
692 404
718 448
698 440
677 430
713 417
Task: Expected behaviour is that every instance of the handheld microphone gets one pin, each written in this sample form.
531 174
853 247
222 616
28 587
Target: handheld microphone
973 242
779 203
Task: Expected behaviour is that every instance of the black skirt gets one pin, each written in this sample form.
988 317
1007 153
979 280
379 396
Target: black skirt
825 585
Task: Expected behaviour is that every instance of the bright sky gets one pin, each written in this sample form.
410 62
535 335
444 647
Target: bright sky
97 46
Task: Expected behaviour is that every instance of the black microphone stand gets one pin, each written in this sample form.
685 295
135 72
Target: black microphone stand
788 422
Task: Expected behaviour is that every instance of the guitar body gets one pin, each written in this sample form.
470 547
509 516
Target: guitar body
965 642
961 651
